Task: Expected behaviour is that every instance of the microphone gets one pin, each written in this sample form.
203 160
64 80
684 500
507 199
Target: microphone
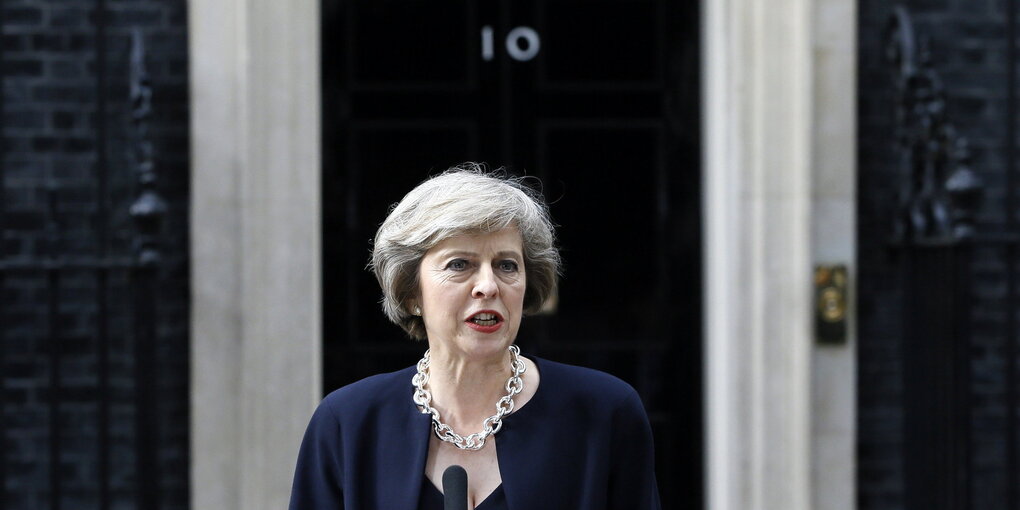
455 488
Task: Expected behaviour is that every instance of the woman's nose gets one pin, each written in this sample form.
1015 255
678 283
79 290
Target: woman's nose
485 284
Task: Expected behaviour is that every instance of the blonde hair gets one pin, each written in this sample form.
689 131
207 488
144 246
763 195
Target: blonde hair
463 199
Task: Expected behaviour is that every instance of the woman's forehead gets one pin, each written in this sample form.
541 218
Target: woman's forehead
479 243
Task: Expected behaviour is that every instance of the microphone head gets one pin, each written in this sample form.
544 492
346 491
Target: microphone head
455 488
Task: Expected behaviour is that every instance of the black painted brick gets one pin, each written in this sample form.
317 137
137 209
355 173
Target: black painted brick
22 16
22 67
66 69
13 43
63 120
64 93
77 42
24 119
968 45
72 17
49 42
49 143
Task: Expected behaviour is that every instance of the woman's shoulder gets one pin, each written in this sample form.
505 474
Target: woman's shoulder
370 394
572 381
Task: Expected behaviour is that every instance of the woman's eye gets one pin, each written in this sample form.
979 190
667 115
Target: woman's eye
508 266
457 265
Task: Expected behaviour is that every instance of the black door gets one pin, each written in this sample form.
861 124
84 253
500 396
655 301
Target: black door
599 99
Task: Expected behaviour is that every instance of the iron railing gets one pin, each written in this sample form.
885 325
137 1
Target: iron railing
936 237
138 267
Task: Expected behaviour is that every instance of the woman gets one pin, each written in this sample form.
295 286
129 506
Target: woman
460 260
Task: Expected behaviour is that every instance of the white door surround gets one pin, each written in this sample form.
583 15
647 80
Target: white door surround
779 90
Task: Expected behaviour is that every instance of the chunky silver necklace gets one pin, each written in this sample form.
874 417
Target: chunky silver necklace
491 425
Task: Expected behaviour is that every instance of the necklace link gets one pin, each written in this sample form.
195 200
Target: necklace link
491 425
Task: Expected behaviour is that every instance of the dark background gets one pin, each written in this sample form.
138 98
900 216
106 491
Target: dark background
606 115
67 259
970 45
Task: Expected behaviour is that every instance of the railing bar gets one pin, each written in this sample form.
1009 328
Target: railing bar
964 365
3 391
1011 108
146 211
942 376
55 393
102 234
910 369
1012 475
52 338
3 387
103 426
3 230
3 394
146 426
102 231
131 309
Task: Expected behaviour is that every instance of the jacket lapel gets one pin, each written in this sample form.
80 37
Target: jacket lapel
403 450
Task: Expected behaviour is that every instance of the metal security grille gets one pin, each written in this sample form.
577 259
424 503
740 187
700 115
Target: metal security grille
599 99
78 264
959 292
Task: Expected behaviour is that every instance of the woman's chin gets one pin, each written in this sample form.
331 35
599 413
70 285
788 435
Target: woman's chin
475 345
483 345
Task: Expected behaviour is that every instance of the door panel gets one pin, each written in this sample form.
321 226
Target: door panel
605 113
601 43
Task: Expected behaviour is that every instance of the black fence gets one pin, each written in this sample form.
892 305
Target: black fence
81 309
941 249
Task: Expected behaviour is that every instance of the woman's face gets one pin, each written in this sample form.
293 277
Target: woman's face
472 293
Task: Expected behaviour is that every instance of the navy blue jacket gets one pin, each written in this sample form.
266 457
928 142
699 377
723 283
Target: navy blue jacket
581 442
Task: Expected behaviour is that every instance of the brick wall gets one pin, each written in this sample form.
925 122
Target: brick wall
59 133
969 45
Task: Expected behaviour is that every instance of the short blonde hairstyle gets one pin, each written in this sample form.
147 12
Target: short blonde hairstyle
463 199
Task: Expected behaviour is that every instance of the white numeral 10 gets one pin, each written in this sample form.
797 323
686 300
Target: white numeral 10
514 40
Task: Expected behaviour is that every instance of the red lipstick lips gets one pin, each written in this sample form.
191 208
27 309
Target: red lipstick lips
485 321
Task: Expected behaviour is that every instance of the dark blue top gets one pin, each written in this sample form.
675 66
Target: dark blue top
581 442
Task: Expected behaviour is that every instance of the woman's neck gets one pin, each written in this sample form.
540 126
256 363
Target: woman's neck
465 391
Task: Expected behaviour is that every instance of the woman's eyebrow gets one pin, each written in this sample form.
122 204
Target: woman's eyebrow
466 253
460 253
513 254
